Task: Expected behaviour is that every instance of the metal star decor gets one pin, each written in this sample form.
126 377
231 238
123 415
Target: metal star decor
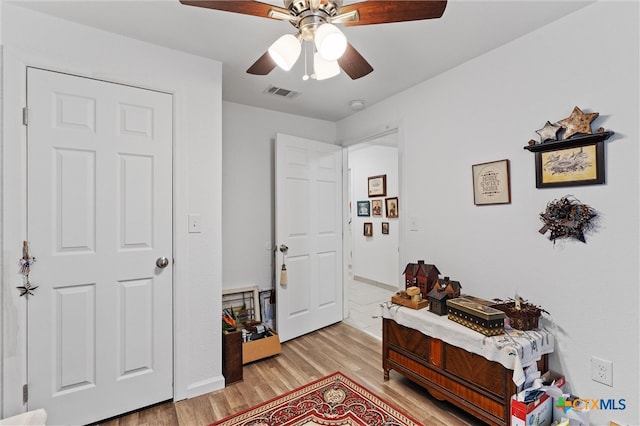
578 122
26 289
549 132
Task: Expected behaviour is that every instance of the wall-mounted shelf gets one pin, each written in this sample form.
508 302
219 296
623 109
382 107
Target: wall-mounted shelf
569 143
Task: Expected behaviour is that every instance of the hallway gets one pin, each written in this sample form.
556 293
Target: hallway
364 306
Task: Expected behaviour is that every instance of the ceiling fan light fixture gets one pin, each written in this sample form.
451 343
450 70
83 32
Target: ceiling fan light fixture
324 69
285 51
330 42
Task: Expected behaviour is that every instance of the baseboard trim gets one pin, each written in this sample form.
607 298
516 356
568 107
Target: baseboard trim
205 386
375 283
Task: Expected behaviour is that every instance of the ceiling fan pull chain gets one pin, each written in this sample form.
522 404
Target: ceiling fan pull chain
313 54
305 77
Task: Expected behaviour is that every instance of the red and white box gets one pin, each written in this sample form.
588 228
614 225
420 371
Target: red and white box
540 411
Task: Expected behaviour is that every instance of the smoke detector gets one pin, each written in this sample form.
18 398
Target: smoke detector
357 104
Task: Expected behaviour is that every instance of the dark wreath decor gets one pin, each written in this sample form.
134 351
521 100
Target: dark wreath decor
567 218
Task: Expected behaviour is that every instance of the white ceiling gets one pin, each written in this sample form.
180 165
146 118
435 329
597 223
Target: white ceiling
402 54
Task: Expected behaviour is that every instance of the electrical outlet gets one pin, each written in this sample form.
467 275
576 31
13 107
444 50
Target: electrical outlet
602 371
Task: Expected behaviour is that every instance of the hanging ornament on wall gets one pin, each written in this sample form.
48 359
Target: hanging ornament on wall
567 218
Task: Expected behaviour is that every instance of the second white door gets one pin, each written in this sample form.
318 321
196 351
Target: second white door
309 223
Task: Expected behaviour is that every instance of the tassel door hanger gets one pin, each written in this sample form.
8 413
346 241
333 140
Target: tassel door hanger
283 271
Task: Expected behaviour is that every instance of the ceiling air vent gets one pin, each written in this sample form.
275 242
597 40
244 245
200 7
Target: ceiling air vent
279 91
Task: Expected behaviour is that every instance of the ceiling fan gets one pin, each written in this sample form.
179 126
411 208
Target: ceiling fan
314 20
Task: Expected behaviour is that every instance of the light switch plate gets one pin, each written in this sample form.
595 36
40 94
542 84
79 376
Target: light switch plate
195 223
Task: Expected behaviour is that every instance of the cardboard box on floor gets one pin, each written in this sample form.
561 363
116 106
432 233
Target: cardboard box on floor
261 348
539 412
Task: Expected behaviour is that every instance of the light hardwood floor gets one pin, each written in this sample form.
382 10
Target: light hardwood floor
339 347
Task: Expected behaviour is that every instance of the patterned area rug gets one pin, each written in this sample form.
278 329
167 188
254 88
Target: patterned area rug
333 400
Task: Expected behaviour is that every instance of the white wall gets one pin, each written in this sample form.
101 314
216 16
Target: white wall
487 109
33 39
374 258
248 135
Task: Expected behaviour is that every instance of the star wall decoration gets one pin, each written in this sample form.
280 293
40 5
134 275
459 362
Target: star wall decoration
26 289
567 218
549 132
578 122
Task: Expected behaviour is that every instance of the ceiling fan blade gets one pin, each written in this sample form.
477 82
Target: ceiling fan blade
263 66
246 7
386 11
353 63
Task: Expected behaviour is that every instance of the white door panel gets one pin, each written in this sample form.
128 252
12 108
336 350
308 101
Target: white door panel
308 222
99 215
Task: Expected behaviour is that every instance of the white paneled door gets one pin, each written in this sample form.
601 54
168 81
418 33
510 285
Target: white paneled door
99 160
309 224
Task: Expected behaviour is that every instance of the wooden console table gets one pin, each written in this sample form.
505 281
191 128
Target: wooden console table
470 381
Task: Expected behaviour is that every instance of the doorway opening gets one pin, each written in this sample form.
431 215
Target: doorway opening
373 233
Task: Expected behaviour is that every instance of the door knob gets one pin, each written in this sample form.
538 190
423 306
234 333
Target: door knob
162 262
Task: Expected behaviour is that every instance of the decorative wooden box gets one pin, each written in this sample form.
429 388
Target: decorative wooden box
443 290
476 315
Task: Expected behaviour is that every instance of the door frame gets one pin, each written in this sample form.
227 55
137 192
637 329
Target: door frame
398 128
14 65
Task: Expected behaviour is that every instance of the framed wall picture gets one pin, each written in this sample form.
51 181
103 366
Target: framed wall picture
580 165
364 208
376 207
368 229
377 186
392 206
385 227
491 183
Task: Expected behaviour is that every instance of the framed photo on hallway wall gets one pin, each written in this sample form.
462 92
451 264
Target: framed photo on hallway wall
392 207
364 208
377 186
368 229
376 207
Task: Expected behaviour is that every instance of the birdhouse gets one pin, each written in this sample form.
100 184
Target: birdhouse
421 275
443 290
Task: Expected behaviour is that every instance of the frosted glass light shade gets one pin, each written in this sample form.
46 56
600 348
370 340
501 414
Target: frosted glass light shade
285 51
330 42
324 69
